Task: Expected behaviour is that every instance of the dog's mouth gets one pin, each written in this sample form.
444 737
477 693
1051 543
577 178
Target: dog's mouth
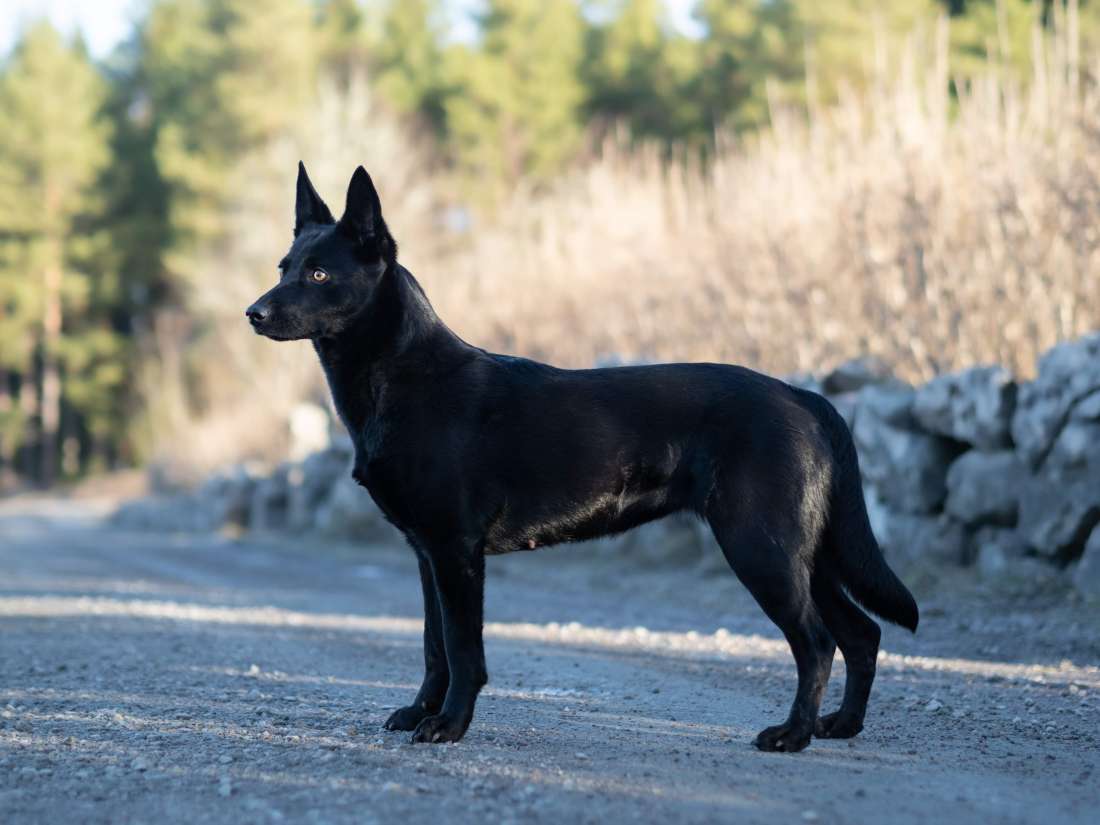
278 336
265 329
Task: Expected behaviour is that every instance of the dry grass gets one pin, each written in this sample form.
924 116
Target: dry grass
935 232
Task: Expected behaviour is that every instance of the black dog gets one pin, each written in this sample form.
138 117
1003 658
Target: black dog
470 453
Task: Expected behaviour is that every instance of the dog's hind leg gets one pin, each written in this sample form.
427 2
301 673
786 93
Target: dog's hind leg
858 636
429 699
779 580
459 573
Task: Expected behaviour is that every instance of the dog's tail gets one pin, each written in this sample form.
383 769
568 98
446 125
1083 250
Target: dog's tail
849 541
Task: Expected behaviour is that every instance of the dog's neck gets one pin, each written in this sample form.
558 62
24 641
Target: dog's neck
398 340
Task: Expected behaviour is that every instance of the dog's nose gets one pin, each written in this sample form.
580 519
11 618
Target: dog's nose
257 313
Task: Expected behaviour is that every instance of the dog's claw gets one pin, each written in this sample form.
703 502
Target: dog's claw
406 718
783 738
439 728
837 726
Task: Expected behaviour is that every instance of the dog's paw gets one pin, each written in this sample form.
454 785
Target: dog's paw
785 738
837 726
406 718
439 728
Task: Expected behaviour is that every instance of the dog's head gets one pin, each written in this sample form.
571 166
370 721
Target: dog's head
333 269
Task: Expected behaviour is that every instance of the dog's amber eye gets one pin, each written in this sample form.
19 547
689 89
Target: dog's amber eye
318 276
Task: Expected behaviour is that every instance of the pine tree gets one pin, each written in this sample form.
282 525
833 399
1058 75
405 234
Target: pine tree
409 59
221 76
516 110
344 39
747 45
627 74
53 145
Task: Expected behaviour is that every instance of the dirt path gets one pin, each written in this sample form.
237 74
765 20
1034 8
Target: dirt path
148 678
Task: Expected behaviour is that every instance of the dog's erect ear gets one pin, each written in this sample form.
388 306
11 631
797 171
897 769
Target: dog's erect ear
363 213
308 206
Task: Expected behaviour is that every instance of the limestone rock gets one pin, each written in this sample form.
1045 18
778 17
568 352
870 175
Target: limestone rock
1058 510
856 374
974 406
1069 374
907 467
984 488
1086 577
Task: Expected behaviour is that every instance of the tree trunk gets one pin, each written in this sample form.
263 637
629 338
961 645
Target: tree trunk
28 407
51 371
7 446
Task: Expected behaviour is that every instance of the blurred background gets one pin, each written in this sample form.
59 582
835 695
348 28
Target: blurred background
784 184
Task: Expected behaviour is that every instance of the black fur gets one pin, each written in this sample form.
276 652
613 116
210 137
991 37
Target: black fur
470 453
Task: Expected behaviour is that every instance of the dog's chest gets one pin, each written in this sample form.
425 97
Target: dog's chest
378 473
400 475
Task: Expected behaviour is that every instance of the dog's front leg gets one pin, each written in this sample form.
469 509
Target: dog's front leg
459 575
429 699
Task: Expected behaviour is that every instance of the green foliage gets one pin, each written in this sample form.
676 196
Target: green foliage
54 145
343 41
1000 30
848 40
409 59
1003 32
748 46
52 140
515 111
640 74
624 68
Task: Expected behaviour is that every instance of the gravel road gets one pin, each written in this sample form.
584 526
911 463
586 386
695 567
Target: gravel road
174 678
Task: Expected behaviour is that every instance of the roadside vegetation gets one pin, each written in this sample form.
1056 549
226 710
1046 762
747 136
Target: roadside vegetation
791 185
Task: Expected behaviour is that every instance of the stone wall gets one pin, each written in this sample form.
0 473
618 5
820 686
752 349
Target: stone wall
971 469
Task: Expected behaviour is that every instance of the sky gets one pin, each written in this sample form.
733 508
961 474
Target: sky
105 22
